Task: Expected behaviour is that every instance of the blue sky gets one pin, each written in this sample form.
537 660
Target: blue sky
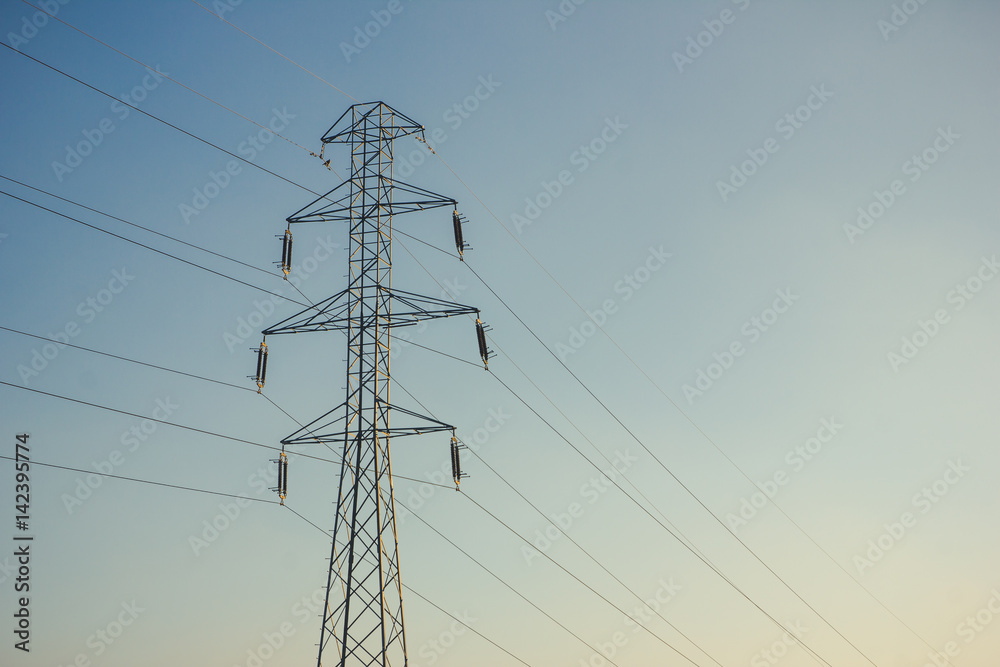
778 213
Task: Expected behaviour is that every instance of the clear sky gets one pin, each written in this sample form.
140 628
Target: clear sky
779 213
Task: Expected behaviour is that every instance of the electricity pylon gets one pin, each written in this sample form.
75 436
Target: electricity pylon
363 616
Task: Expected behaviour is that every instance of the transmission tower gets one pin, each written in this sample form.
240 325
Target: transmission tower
362 621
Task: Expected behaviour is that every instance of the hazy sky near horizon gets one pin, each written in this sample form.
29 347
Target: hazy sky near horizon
779 213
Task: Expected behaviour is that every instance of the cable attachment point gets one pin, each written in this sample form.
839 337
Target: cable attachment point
424 142
261 365
282 488
456 460
286 252
457 220
484 352
326 163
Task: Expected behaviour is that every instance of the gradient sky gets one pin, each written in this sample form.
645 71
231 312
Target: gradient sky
746 159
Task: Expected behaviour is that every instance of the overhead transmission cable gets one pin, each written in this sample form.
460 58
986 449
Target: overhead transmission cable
147 247
170 78
505 584
672 531
666 469
313 74
308 302
156 118
159 421
428 601
610 338
582 550
146 481
200 140
134 361
466 625
147 229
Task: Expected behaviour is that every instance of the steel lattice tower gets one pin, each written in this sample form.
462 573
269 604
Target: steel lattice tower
363 617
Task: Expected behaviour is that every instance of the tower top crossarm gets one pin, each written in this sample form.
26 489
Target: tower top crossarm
391 124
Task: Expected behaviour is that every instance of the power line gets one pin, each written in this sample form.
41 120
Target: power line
429 245
317 76
425 599
291 182
168 77
145 481
147 247
676 535
673 531
159 421
505 584
574 542
147 229
431 349
196 430
156 118
134 361
546 347
591 589
684 486
99 212
684 414
469 627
